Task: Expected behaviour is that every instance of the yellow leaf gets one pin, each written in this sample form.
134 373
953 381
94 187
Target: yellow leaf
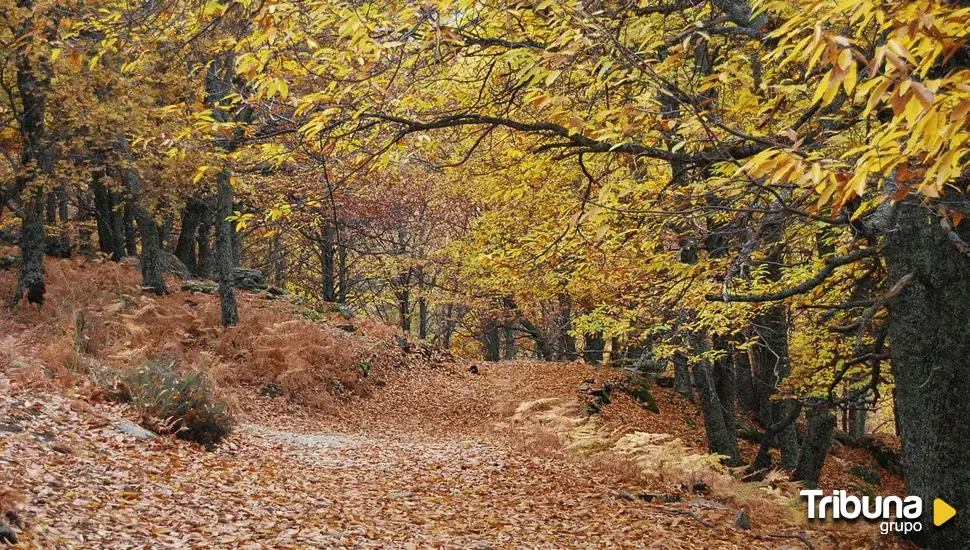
822 87
845 59
850 79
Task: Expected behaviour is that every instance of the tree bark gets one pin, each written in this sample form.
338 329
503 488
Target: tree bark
490 340
328 264
857 421
815 447
567 342
342 280
595 345
682 378
186 245
771 366
745 382
423 318
152 263
31 278
929 324
108 241
131 240
509 344
224 253
35 159
720 440
725 383
204 241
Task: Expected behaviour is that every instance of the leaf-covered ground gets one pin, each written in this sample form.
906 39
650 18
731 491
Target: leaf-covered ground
396 486
416 453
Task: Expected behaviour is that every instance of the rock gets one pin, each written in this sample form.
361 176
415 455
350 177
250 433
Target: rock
130 428
7 534
400 494
8 261
248 279
583 388
347 328
204 287
741 520
175 266
473 369
276 292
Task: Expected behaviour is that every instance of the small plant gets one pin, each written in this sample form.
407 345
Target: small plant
182 404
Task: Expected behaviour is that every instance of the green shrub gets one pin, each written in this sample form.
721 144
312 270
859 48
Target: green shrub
182 404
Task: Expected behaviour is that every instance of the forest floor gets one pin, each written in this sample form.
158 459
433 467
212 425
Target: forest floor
428 455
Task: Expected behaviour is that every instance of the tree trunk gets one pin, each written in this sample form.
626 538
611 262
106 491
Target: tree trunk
185 246
490 340
725 383
31 278
857 421
204 241
448 328
544 348
720 439
152 263
929 324
103 211
746 390
815 447
682 378
771 367
567 342
58 244
35 159
342 274
595 344
117 220
423 318
224 254
509 344
131 241
327 262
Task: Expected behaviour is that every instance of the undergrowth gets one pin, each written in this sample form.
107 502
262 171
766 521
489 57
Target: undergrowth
180 403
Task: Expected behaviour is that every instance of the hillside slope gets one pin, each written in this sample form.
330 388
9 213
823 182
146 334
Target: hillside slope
411 450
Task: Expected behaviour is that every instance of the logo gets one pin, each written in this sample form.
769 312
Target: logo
942 512
896 515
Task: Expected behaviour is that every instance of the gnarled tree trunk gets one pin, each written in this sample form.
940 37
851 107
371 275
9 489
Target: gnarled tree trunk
929 328
815 447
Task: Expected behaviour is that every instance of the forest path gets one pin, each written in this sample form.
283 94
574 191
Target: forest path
88 486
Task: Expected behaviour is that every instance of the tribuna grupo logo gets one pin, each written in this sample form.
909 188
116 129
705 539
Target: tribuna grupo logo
897 515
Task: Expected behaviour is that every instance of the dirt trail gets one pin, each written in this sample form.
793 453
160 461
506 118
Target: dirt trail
90 487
